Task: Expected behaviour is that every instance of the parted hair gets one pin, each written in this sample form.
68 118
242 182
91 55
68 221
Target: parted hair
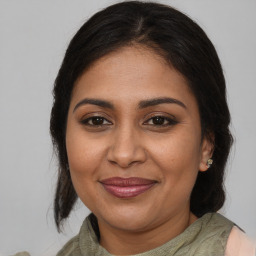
186 47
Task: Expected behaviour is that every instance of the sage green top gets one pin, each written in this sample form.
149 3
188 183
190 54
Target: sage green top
207 236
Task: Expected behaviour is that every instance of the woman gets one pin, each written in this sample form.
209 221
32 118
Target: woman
140 124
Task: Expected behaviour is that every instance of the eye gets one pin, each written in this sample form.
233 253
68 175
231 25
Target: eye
96 121
161 121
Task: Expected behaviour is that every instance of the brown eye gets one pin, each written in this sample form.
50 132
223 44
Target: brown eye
95 121
161 121
158 120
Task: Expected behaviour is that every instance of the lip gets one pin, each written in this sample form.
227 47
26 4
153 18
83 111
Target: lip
127 187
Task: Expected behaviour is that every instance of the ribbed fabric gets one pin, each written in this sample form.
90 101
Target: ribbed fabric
207 236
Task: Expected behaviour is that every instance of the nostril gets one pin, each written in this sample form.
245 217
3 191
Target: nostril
125 161
126 150
122 164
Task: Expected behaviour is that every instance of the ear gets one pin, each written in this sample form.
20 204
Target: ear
207 148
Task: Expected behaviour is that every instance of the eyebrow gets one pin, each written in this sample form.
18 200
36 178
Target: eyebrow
142 104
97 102
158 101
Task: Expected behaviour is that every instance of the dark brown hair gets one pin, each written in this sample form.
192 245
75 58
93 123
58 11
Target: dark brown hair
183 44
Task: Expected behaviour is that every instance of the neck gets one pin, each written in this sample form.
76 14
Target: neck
123 242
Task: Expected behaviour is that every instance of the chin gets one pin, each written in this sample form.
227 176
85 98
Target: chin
129 220
131 224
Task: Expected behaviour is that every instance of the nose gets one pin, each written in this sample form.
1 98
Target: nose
126 148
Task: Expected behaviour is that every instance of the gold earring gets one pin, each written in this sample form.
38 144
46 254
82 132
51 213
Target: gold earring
209 163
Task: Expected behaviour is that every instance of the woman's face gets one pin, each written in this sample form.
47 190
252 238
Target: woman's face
134 140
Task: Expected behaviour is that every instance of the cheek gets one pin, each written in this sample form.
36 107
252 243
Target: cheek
177 150
178 158
84 153
84 163
84 156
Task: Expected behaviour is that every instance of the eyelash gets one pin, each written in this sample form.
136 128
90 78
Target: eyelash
87 120
169 120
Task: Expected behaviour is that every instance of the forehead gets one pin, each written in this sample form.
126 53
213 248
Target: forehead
132 74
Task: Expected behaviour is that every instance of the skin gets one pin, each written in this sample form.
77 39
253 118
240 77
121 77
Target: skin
129 143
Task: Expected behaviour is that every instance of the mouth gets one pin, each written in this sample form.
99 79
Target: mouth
127 187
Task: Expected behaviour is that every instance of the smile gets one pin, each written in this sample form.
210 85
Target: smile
127 187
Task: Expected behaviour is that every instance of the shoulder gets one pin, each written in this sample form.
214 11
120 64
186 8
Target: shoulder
22 254
81 243
71 248
211 234
239 244
214 232
215 227
219 220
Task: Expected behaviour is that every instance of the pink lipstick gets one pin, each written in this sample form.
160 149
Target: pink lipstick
127 187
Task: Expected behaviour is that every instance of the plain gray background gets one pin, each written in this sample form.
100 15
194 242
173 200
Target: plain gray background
33 37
